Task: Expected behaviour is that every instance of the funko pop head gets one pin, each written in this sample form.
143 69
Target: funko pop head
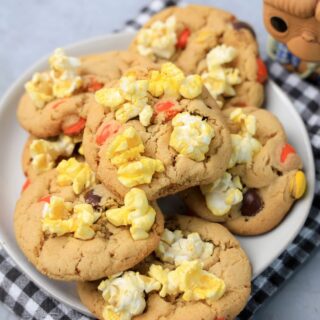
296 23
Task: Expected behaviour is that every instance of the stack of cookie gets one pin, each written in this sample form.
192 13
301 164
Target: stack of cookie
110 134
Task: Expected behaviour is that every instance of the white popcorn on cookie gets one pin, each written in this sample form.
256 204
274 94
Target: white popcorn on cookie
159 39
223 194
175 248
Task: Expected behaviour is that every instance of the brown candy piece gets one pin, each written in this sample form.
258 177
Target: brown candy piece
238 25
251 203
93 199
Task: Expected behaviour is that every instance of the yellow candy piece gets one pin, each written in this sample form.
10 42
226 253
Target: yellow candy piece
139 172
77 174
109 97
191 87
189 279
298 185
191 136
126 146
135 212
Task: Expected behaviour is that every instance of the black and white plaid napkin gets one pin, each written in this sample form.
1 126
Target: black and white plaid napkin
27 301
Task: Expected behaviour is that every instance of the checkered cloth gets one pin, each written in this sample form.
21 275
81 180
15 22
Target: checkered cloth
27 301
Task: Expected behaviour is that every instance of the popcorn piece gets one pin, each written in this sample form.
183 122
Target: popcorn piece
128 101
146 115
191 136
191 87
59 219
159 39
44 153
167 81
219 80
125 152
135 212
39 89
244 145
109 97
64 74
60 82
125 295
220 55
77 174
175 249
189 279
139 172
223 194
126 146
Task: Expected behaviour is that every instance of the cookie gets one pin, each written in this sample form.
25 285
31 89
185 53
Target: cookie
263 180
56 101
42 155
80 231
154 130
222 271
209 42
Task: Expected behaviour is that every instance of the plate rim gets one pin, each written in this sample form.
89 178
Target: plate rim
19 84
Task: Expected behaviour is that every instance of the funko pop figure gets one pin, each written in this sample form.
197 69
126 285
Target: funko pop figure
294 26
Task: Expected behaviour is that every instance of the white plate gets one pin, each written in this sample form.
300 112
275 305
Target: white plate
262 250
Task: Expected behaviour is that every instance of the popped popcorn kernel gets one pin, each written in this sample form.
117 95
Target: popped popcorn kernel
244 145
60 218
128 100
109 97
44 153
139 172
175 248
159 39
77 174
223 194
61 81
219 79
136 212
190 280
191 136
220 55
124 295
39 89
126 146
125 152
191 87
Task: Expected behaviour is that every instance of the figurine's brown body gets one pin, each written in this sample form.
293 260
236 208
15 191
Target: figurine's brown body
296 23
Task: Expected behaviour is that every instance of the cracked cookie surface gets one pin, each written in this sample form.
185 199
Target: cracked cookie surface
196 31
65 257
268 181
58 115
180 171
228 262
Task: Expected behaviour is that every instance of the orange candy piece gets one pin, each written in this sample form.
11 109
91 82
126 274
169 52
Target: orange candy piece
108 130
262 75
183 39
26 185
286 150
58 103
45 199
168 108
75 128
94 85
